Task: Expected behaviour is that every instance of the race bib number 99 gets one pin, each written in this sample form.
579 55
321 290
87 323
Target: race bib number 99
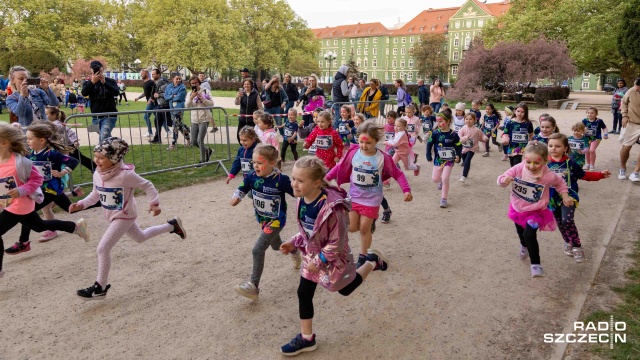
111 198
529 192
44 168
366 178
446 153
266 205
324 142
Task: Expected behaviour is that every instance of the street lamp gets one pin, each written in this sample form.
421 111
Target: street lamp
330 56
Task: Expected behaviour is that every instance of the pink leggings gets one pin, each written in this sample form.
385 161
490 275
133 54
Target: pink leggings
441 174
408 165
116 230
591 153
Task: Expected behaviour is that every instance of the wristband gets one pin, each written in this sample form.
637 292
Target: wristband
322 258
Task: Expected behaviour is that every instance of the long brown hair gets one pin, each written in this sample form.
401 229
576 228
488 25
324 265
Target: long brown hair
15 137
49 131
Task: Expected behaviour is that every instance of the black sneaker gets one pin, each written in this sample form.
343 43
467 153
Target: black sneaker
386 216
177 227
361 260
377 257
209 152
415 159
373 226
214 130
93 292
199 164
18 248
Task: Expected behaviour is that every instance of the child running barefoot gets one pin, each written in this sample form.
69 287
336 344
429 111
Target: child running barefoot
47 156
595 130
323 240
328 142
345 124
490 124
402 147
20 190
268 187
445 144
470 137
290 138
547 127
517 133
365 168
532 181
578 143
570 171
249 140
114 183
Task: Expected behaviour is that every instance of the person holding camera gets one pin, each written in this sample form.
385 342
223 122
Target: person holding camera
102 92
249 101
29 96
200 97
176 94
160 104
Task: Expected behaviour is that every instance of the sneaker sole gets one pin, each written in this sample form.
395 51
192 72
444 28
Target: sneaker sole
82 223
380 256
179 223
101 297
246 294
307 349
19 252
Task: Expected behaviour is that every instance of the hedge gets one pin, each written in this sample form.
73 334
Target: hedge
544 94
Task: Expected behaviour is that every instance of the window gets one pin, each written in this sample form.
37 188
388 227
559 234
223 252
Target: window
359 51
467 42
456 55
402 63
358 63
374 63
320 63
387 40
375 40
586 74
609 80
321 54
365 63
359 41
326 63
344 52
395 51
387 51
386 75
366 51
480 22
410 63
328 42
395 40
401 74
585 84
353 41
386 63
457 25
446 27
454 70
410 76
375 51
422 28
335 42
393 75
456 42
366 41
404 40
468 24
403 51
394 64
433 28
411 51
335 63
373 75
411 39
344 41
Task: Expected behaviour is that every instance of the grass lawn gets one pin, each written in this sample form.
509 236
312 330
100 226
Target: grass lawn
215 93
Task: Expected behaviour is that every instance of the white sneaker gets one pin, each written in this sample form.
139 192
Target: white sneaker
568 249
585 167
578 255
147 135
592 168
536 271
248 289
463 179
297 259
634 177
622 175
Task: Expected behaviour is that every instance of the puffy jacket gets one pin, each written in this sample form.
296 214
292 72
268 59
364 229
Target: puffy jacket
200 116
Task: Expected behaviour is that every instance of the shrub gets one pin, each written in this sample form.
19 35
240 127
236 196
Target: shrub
544 94
34 60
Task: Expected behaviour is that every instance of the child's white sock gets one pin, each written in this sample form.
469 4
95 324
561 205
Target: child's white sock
307 337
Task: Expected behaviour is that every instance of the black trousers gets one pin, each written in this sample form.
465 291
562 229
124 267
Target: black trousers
385 204
294 150
307 289
161 118
8 220
61 200
529 239
466 160
515 160
84 161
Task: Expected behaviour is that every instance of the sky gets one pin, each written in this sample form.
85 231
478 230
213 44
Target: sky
325 13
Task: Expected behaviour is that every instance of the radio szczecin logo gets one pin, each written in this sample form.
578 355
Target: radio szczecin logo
601 332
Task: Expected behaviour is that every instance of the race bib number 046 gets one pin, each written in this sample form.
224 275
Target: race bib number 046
529 192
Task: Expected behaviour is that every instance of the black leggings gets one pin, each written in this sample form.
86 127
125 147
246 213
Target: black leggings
494 140
307 289
515 160
529 239
84 161
294 150
385 204
466 160
121 96
8 220
61 200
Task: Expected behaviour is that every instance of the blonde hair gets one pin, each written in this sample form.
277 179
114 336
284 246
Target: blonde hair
314 167
472 115
294 111
579 126
539 148
325 115
267 119
402 122
14 135
12 71
361 117
410 106
256 114
268 152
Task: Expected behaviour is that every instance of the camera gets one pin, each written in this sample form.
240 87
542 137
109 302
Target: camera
33 81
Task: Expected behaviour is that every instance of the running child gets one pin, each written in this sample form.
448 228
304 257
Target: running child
308 129
578 143
475 108
268 187
365 167
358 119
413 128
470 137
596 129
20 184
532 182
547 127
489 125
390 131
570 171
290 138
345 124
328 142
81 102
458 117
114 184
73 101
256 115
402 147
445 144
517 133
243 161
324 243
427 120
508 112
70 137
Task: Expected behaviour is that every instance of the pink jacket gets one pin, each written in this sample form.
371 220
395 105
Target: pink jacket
474 134
417 124
400 142
548 179
24 204
331 238
128 181
342 172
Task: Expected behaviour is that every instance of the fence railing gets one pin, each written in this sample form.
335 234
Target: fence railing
148 157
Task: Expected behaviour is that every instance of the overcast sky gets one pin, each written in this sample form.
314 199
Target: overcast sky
342 12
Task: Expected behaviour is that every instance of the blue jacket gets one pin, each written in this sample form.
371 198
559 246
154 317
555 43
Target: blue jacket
49 159
21 106
268 196
243 157
423 95
3 84
175 95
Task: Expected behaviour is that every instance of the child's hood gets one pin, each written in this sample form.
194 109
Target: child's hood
336 197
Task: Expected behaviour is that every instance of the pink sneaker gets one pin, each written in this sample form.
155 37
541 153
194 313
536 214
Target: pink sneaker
416 172
48 236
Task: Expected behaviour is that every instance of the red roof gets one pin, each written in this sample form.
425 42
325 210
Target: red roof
355 30
433 21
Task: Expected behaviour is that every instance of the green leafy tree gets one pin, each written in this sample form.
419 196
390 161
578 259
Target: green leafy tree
430 57
630 33
353 67
34 60
300 64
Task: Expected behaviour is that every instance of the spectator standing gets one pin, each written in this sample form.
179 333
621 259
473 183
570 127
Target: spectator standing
276 100
618 94
292 92
436 95
204 84
147 93
199 97
245 74
423 93
401 96
630 109
370 100
249 101
314 97
160 104
57 89
101 92
28 104
122 92
176 94
339 93
3 90
305 84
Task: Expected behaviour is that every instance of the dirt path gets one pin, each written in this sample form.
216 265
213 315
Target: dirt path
455 287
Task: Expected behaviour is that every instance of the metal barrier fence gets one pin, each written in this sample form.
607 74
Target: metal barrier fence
151 158
384 106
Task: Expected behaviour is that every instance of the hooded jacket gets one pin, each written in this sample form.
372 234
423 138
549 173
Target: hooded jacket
340 90
330 237
548 179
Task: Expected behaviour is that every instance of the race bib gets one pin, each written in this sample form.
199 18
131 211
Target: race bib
111 198
366 178
488 125
245 165
520 137
446 153
6 184
576 145
342 129
266 205
388 136
426 127
312 149
324 142
590 132
288 132
44 168
529 192
411 128
468 144
457 127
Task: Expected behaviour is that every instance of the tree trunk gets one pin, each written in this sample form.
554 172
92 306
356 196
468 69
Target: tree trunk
628 72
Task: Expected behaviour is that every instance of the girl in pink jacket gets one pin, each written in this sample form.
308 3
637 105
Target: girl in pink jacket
532 180
324 243
470 137
114 183
365 168
402 147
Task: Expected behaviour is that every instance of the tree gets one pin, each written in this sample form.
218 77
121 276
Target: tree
34 60
353 68
430 56
630 33
300 63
